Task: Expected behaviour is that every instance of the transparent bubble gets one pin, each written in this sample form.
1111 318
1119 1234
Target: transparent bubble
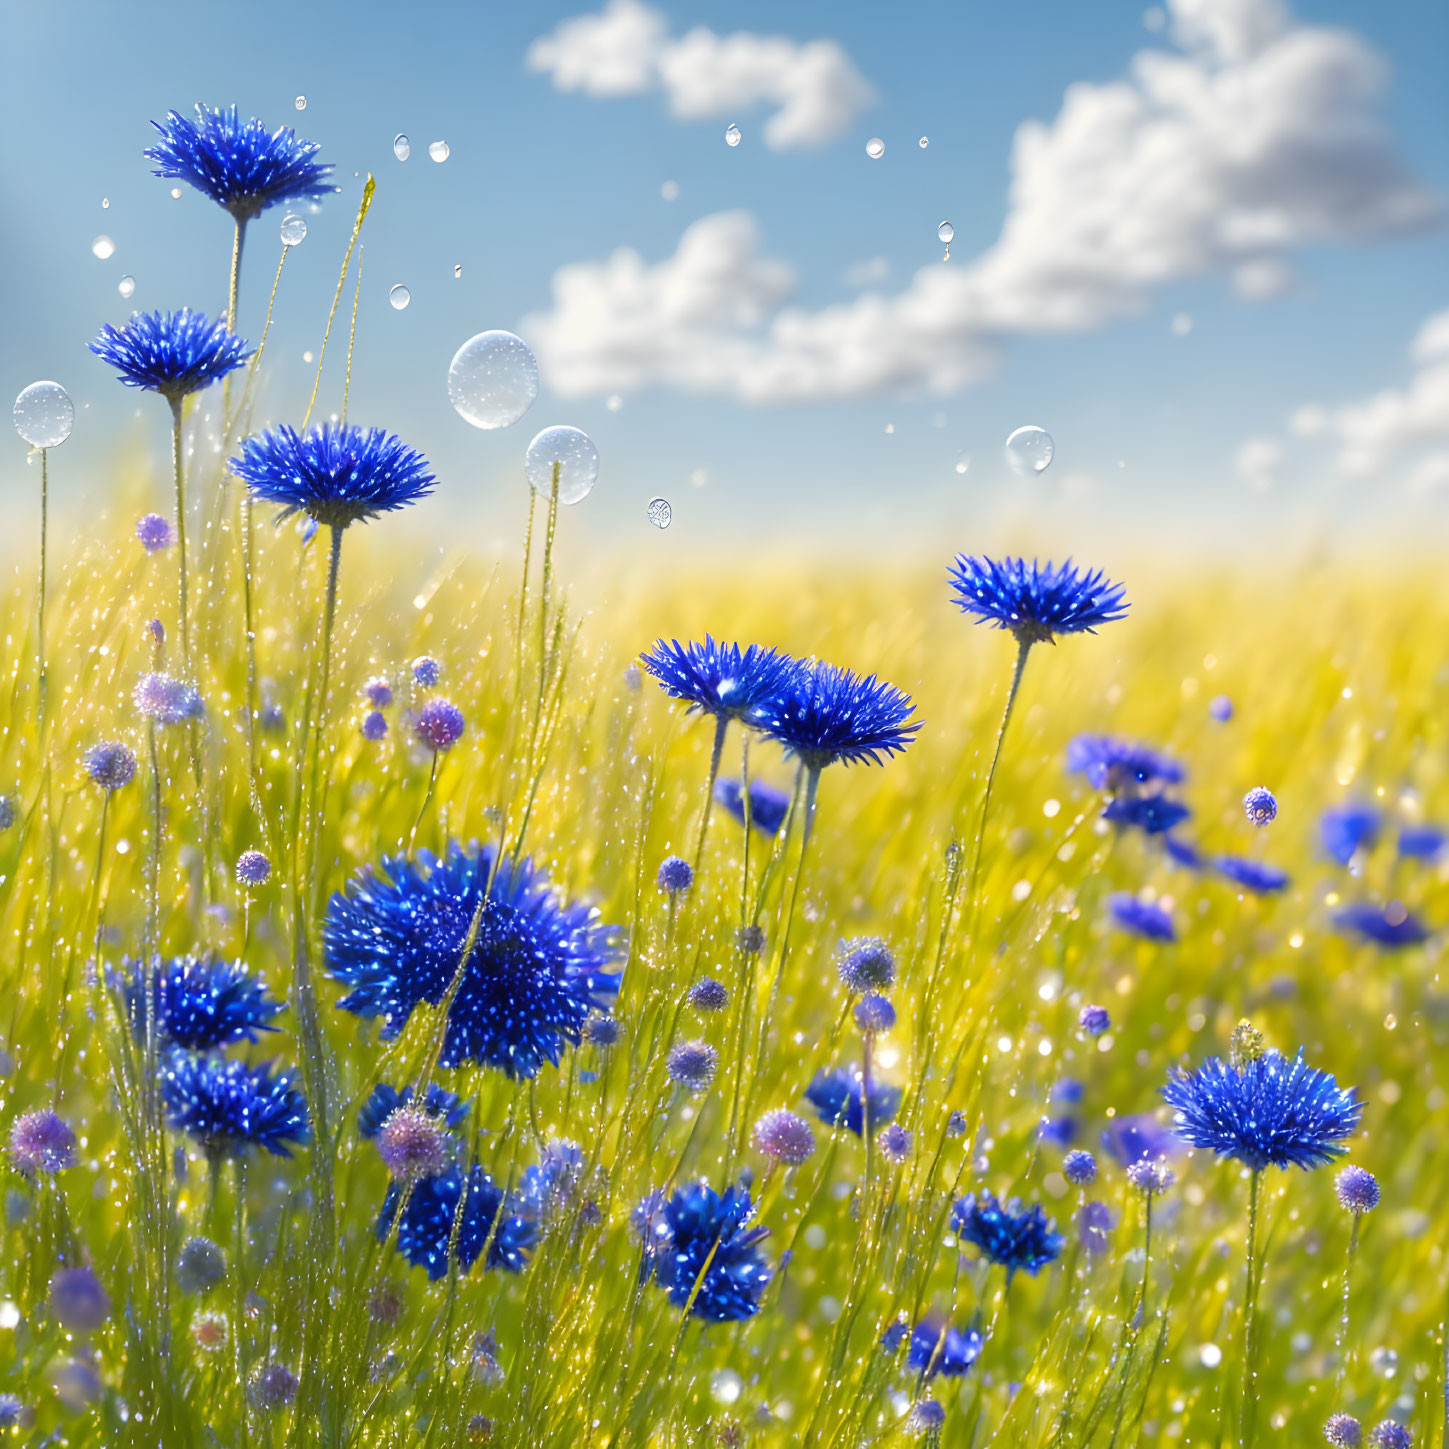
438 150
875 148
1030 450
924 142
399 296
44 414
294 229
661 515
963 462
577 459
103 247
127 285
493 379
946 232
402 148
105 203
176 193
301 103
732 134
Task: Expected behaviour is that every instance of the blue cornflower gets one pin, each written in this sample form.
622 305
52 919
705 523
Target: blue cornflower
700 1252
384 1100
1094 1020
874 1014
768 806
550 1184
1016 1237
1058 1131
1267 1110
1260 806
866 963
1151 814
939 1348
202 1003
337 473
1392 925
237 163
826 715
1182 852
1141 918
229 1106
1390 1434
1110 763
537 969
1422 842
675 875
1079 1168
173 353
837 1097
721 679
1347 829
111 765
1252 875
1131 1139
428 1222
1035 601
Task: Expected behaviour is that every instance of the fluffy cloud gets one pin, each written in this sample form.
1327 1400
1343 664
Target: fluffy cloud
626 50
1403 429
1256 138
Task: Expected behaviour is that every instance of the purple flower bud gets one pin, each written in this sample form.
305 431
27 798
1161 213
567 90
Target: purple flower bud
1094 1020
412 1144
154 532
1259 805
1079 1168
692 1064
41 1142
1358 1190
427 671
874 1014
439 724
786 1137
675 875
110 764
377 692
78 1300
374 727
708 995
252 868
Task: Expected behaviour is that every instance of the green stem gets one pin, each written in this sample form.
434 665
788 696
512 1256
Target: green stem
1248 1411
239 1288
180 534
236 256
720 725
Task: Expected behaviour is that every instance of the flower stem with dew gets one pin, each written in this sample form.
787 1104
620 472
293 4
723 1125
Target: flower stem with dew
1248 1410
720 725
40 606
1344 1351
239 1286
423 808
238 240
180 534
523 591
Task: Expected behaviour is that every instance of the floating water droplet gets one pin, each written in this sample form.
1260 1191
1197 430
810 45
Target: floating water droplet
875 148
399 296
176 193
577 459
307 356
661 515
402 148
438 150
127 285
458 270
493 379
301 103
946 232
44 415
890 429
294 229
105 203
103 247
1029 450
963 462
726 1385
924 142
732 134
670 191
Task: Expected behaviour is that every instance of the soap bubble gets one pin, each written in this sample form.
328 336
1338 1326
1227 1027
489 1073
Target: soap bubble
493 379
732 135
661 515
402 148
294 229
875 148
438 150
44 415
577 459
399 296
1029 450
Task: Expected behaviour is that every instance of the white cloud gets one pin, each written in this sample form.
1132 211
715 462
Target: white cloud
626 50
1398 431
1257 462
1260 138
869 273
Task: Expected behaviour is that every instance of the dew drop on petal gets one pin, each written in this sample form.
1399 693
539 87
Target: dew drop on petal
946 232
127 285
301 103
44 414
103 247
294 229
577 458
1030 450
438 150
732 134
875 148
402 148
493 379
661 515
399 296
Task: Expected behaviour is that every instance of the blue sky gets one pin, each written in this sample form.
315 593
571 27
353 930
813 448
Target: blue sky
1150 426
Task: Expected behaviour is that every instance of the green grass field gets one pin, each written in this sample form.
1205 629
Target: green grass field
1340 692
